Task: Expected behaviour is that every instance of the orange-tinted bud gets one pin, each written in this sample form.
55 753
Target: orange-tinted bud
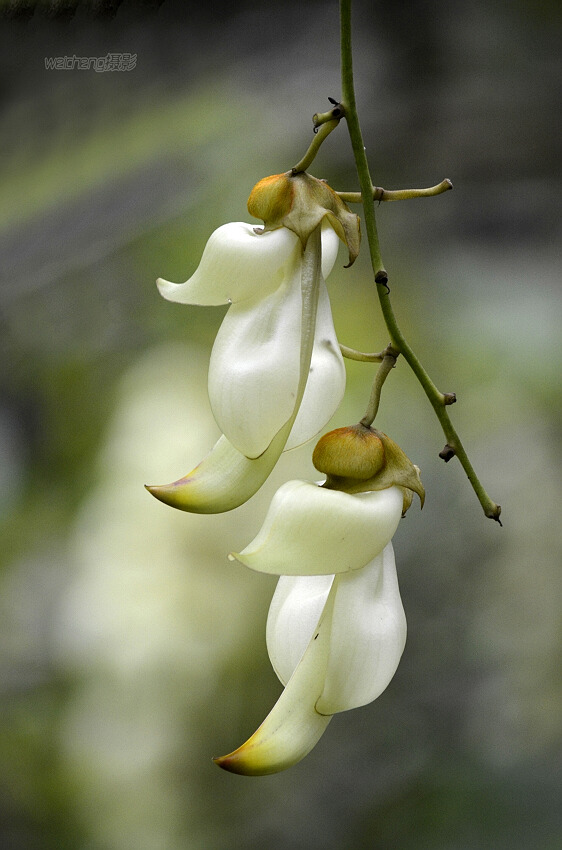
272 198
351 452
300 202
357 459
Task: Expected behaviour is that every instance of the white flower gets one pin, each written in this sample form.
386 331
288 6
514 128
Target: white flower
276 374
255 363
336 628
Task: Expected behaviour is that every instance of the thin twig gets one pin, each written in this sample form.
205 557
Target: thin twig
353 354
379 194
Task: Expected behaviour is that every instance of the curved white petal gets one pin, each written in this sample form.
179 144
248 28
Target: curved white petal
310 530
237 263
367 635
294 612
224 480
293 726
255 366
330 245
326 380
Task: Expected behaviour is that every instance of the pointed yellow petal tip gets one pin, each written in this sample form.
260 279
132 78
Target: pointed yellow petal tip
239 762
250 760
172 494
261 758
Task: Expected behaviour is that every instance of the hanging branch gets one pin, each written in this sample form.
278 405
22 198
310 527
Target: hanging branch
438 400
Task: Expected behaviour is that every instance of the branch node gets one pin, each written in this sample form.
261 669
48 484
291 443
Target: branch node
320 118
494 513
447 452
382 278
449 398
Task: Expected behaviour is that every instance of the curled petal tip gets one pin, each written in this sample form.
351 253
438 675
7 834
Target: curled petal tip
171 494
222 481
193 494
240 761
167 289
285 737
226 763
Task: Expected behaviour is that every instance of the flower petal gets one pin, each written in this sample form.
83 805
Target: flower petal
293 726
330 246
294 612
326 380
309 530
255 367
222 481
237 263
367 635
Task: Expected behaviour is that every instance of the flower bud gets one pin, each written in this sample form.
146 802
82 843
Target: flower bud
357 459
300 202
271 199
352 452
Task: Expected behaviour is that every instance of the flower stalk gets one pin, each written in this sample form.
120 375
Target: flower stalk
322 133
388 362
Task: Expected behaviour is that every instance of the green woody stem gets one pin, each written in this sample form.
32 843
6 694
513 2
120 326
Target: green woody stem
438 400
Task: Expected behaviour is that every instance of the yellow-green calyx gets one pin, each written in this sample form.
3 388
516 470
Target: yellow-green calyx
300 202
357 459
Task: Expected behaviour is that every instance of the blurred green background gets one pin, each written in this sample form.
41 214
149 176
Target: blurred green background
131 650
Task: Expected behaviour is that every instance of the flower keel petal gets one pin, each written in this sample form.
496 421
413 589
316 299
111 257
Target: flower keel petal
293 726
224 480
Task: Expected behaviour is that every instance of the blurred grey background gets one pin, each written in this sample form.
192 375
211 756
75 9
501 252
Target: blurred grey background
131 650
